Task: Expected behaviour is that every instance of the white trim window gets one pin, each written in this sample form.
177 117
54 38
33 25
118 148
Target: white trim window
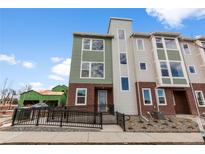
147 96
140 44
92 70
161 97
123 58
81 96
192 69
159 43
170 43
164 69
124 83
121 34
143 66
186 49
93 44
176 69
200 98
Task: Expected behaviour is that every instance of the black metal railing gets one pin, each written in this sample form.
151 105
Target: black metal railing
56 117
121 120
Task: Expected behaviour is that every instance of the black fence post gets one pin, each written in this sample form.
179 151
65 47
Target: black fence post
101 120
117 117
39 113
124 129
61 120
14 116
67 116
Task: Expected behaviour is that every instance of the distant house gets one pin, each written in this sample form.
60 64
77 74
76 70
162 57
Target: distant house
55 97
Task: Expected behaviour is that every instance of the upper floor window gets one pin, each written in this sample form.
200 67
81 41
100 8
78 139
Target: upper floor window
81 96
124 83
186 48
123 58
93 44
143 66
92 70
192 70
200 98
140 44
164 69
176 69
159 42
147 97
161 97
170 43
121 34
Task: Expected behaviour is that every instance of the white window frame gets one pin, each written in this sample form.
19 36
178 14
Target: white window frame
76 96
165 99
150 92
126 58
90 63
184 49
143 46
121 84
170 38
193 67
91 40
119 35
176 77
145 66
200 91
162 42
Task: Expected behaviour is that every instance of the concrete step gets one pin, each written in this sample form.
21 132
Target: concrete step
109 119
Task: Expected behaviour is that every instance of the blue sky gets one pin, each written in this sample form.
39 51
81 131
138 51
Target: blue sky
36 44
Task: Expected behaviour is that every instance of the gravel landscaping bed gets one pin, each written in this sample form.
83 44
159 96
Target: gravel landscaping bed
46 129
171 124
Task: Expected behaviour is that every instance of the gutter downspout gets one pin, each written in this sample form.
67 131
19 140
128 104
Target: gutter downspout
195 100
138 89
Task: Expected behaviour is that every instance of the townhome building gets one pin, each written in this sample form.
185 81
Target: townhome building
135 73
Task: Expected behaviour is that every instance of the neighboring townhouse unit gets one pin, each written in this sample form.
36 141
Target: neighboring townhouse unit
133 73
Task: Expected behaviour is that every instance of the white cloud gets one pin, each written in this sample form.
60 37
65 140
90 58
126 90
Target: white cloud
56 77
28 65
173 18
9 59
62 69
56 59
36 85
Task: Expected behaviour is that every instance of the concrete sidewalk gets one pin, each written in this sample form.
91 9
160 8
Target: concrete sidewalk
99 138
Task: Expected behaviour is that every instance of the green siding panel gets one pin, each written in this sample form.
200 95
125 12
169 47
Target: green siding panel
179 81
76 62
93 56
161 54
166 81
173 55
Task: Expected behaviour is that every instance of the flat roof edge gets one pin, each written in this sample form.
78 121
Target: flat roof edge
93 35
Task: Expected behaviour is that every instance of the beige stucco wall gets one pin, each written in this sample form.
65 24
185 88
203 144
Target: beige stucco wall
124 101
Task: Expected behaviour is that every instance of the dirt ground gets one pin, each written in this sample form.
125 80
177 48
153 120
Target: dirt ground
170 124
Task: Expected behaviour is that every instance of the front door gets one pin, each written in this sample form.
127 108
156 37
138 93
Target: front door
181 103
102 100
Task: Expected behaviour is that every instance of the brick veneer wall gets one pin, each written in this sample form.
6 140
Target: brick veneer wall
91 105
168 109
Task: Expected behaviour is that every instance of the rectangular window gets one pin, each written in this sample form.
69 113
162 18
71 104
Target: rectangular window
170 43
124 83
161 98
86 44
176 69
147 98
85 69
143 66
121 34
186 48
200 98
81 96
97 70
159 42
93 44
123 58
140 45
164 69
97 45
192 70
